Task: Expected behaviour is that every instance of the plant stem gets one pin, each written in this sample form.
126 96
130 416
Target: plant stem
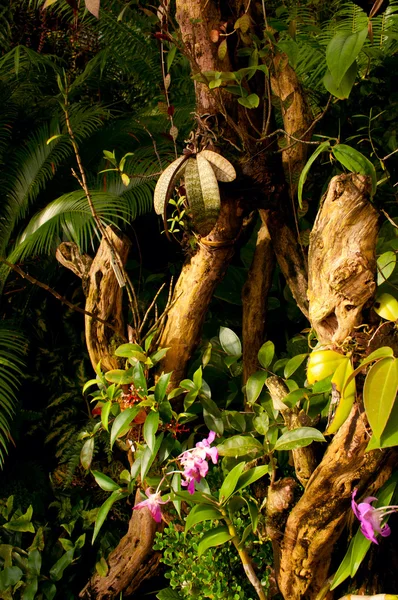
245 559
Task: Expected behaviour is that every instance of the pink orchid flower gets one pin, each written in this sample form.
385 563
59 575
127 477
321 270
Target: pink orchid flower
371 518
153 503
195 464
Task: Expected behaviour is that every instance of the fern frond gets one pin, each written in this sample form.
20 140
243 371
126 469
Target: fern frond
12 351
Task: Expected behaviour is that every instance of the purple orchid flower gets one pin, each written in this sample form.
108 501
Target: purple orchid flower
153 503
195 463
371 518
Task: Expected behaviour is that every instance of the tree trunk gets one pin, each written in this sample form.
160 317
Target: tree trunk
341 281
255 298
132 562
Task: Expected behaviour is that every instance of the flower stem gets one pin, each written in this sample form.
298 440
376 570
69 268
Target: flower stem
245 559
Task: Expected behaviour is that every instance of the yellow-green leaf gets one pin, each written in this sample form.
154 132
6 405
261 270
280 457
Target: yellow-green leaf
386 306
379 393
346 392
321 364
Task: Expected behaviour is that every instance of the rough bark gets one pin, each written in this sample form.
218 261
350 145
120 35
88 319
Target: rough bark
194 290
341 281
316 522
297 119
104 299
290 257
254 299
69 255
342 260
132 562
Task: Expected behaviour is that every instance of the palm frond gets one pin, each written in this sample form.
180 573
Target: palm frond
12 351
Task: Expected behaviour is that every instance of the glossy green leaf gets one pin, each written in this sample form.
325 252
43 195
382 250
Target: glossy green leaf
214 537
385 266
379 393
346 391
324 147
356 162
294 397
105 482
253 512
261 420
170 57
22 523
254 386
104 510
198 378
342 52
31 588
122 420
250 101
343 90
128 350
230 342
266 354
149 456
212 415
175 486
150 429
293 364
49 590
200 513
229 483
196 497
299 438
344 570
389 437
105 410
165 411
161 386
241 445
386 306
250 476
139 380
158 355
120 376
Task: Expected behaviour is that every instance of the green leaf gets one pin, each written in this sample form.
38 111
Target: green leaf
87 452
139 380
168 594
229 483
105 482
342 52
343 572
165 411
34 563
293 364
161 386
9 577
345 391
212 415
343 90
241 445
149 456
385 266
251 101
200 513
104 510
57 570
150 428
102 567
389 437
386 306
175 486
294 397
170 57
123 419
30 590
214 537
325 146
379 393
254 386
250 476
356 162
128 350
266 354
230 342
299 438
197 378
49 590
254 513
158 355
105 414
120 376
261 420
196 497
22 523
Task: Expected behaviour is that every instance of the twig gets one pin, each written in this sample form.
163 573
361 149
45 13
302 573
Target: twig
150 308
62 299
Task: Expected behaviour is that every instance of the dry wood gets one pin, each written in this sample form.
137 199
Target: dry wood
316 522
255 297
342 260
132 561
194 290
104 299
